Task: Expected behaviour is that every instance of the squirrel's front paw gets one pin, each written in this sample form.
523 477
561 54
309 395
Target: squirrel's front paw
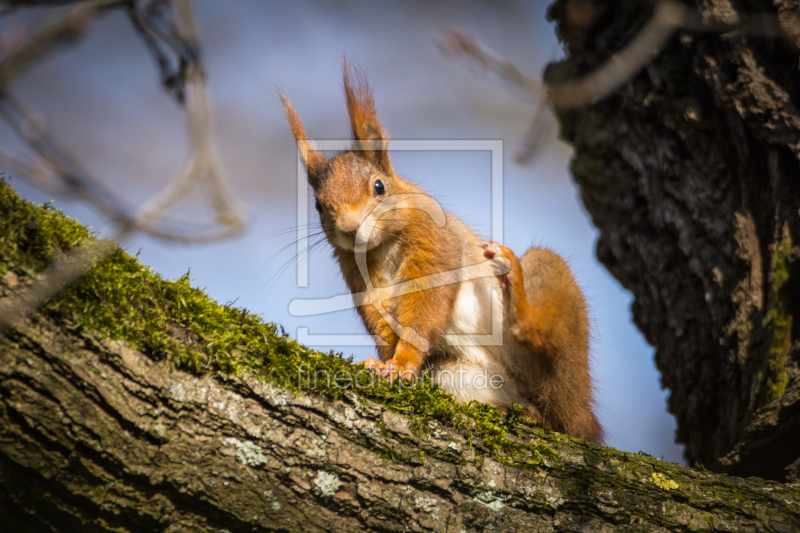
502 257
391 369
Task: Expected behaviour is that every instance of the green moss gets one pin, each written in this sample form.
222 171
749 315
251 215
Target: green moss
779 318
772 378
179 324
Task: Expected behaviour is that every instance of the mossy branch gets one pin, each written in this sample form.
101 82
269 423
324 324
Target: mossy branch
132 403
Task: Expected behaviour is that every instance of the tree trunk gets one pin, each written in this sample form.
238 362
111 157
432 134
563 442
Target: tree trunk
691 174
96 435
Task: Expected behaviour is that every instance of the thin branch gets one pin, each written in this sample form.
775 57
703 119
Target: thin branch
669 16
60 30
73 181
453 42
54 278
537 135
202 165
70 179
148 24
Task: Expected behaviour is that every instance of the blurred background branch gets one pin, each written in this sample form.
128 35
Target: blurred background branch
169 31
669 16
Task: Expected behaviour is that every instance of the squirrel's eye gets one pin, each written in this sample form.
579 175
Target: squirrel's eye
317 205
379 188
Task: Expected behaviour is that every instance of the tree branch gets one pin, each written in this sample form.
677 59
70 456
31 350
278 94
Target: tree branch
99 435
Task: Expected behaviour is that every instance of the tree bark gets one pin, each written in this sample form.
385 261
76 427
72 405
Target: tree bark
691 174
98 436
95 436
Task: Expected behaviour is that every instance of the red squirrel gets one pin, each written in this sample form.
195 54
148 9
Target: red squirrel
542 361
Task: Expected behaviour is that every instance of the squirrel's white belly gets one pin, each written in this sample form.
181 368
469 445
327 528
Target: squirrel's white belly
479 369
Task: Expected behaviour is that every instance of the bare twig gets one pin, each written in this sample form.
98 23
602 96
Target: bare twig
455 43
70 179
202 165
668 17
161 38
73 181
60 30
537 135
54 278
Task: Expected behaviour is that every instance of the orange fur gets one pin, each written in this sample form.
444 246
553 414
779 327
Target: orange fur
311 158
545 361
553 327
364 123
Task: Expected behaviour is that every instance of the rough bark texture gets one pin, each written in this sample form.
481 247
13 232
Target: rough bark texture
95 436
691 174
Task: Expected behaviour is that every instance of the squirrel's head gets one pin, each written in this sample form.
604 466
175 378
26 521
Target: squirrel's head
348 186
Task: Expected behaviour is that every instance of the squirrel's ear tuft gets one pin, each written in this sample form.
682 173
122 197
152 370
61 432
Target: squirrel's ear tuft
364 121
311 157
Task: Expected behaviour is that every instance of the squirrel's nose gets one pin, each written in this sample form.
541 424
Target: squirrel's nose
348 225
